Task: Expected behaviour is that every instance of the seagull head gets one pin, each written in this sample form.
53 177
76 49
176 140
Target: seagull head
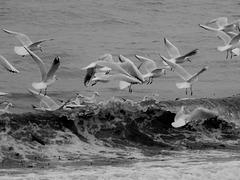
188 59
40 48
96 93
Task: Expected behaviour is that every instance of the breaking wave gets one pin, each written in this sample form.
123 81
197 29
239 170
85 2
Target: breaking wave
117 126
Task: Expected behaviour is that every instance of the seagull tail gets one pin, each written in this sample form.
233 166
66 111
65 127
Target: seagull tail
40 85
183 85
223 48
124 84
20 50
181 122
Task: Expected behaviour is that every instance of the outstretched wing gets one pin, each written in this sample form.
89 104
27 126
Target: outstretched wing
148 64
21 37
39 42
172 50
53 69
178 69
39 62
5 64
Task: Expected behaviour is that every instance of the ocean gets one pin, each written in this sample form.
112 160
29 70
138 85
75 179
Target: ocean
124 135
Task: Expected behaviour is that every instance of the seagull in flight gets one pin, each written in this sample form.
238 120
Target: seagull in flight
175 55
7 108
223 25
46 103
186 76
6 65
47 78
9 67
33 46
150 66
181 119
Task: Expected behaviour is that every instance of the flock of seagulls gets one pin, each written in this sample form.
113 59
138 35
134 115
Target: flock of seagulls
105 69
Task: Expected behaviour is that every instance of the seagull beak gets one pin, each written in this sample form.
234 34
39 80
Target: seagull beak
189 60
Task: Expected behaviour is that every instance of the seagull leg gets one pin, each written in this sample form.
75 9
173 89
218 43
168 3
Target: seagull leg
130 89
40 91
227 55
191 90
45 93
151 80
186 91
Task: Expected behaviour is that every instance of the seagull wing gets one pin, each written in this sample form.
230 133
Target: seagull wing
53 69
202 113
225 37
7 65
178 69
172 50
49 102
39 62
21 37
221 22
39 42
131 68
235 39
148 64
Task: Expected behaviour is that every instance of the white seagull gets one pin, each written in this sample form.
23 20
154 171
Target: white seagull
175 55
131 68
231 44
48 78
46 103
7 108
125 81
152 70
187 77
106 64
88 100
223 24
182 119
33 46
6 65
231 40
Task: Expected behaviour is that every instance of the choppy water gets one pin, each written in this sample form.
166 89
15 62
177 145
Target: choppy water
84 30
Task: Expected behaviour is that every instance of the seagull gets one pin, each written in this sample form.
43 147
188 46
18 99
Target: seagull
231 40
181 72
33 46
75 103
106 64
48 78
7 108
88 100
152 70
217 32
91 69
182 119
175 55
131 68
6 65
125 81
224 25
47 103
230 44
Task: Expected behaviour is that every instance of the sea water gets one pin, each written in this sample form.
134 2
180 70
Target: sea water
122 136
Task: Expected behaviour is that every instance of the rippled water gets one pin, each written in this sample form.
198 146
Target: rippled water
84 30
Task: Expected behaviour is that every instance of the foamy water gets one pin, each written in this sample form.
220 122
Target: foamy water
195 166
84 30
